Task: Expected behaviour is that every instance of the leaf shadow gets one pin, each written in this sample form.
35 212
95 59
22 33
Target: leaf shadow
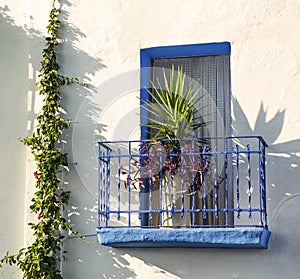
21 48
283 160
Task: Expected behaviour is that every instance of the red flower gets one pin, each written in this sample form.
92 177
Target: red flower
39 217
36 175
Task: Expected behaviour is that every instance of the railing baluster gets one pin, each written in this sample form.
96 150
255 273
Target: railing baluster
260 184
119 183
249 181
129 183
107 207
99 186
149 172
171 184
103 193
216 186
193 223
264 197
237 179
226 185
203 163
162 157
182 181
144 191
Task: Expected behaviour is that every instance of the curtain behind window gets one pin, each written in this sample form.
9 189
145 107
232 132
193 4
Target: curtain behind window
212 75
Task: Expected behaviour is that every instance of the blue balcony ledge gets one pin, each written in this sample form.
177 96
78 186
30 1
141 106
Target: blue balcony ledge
190 238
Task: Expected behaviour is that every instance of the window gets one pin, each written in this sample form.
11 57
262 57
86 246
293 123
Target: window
209 66
143 198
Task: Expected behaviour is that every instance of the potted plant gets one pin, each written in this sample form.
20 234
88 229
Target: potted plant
174 122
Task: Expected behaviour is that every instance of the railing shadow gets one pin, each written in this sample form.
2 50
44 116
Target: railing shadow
282 160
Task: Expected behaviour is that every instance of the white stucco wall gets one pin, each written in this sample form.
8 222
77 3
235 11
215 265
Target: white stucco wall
13 125
102 43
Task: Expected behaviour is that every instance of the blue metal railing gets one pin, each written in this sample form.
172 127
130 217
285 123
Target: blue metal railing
211 182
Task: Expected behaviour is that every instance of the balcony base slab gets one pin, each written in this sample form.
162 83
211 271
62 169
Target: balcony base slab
190 238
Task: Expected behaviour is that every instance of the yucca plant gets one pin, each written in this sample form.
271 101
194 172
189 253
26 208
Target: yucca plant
172 108
174 116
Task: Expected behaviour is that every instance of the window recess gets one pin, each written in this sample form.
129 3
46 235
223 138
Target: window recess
208 192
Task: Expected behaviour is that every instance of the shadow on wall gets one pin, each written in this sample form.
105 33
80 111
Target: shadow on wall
283 162
84 259
167 263
13 83
15 43
89 259
13 125
280 260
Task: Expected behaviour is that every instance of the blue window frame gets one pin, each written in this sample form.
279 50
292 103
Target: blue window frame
243 215
208 65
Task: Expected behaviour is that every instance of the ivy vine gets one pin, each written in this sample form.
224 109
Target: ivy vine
41 259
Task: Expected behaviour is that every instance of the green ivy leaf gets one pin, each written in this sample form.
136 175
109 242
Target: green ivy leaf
40 260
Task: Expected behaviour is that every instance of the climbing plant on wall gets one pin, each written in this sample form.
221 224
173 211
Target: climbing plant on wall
41 259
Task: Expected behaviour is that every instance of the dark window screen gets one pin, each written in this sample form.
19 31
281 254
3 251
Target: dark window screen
212 73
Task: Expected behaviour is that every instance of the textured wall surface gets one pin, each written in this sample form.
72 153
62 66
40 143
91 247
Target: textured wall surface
102 40
13 121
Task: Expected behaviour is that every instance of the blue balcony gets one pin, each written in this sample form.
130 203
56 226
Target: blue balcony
183 193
